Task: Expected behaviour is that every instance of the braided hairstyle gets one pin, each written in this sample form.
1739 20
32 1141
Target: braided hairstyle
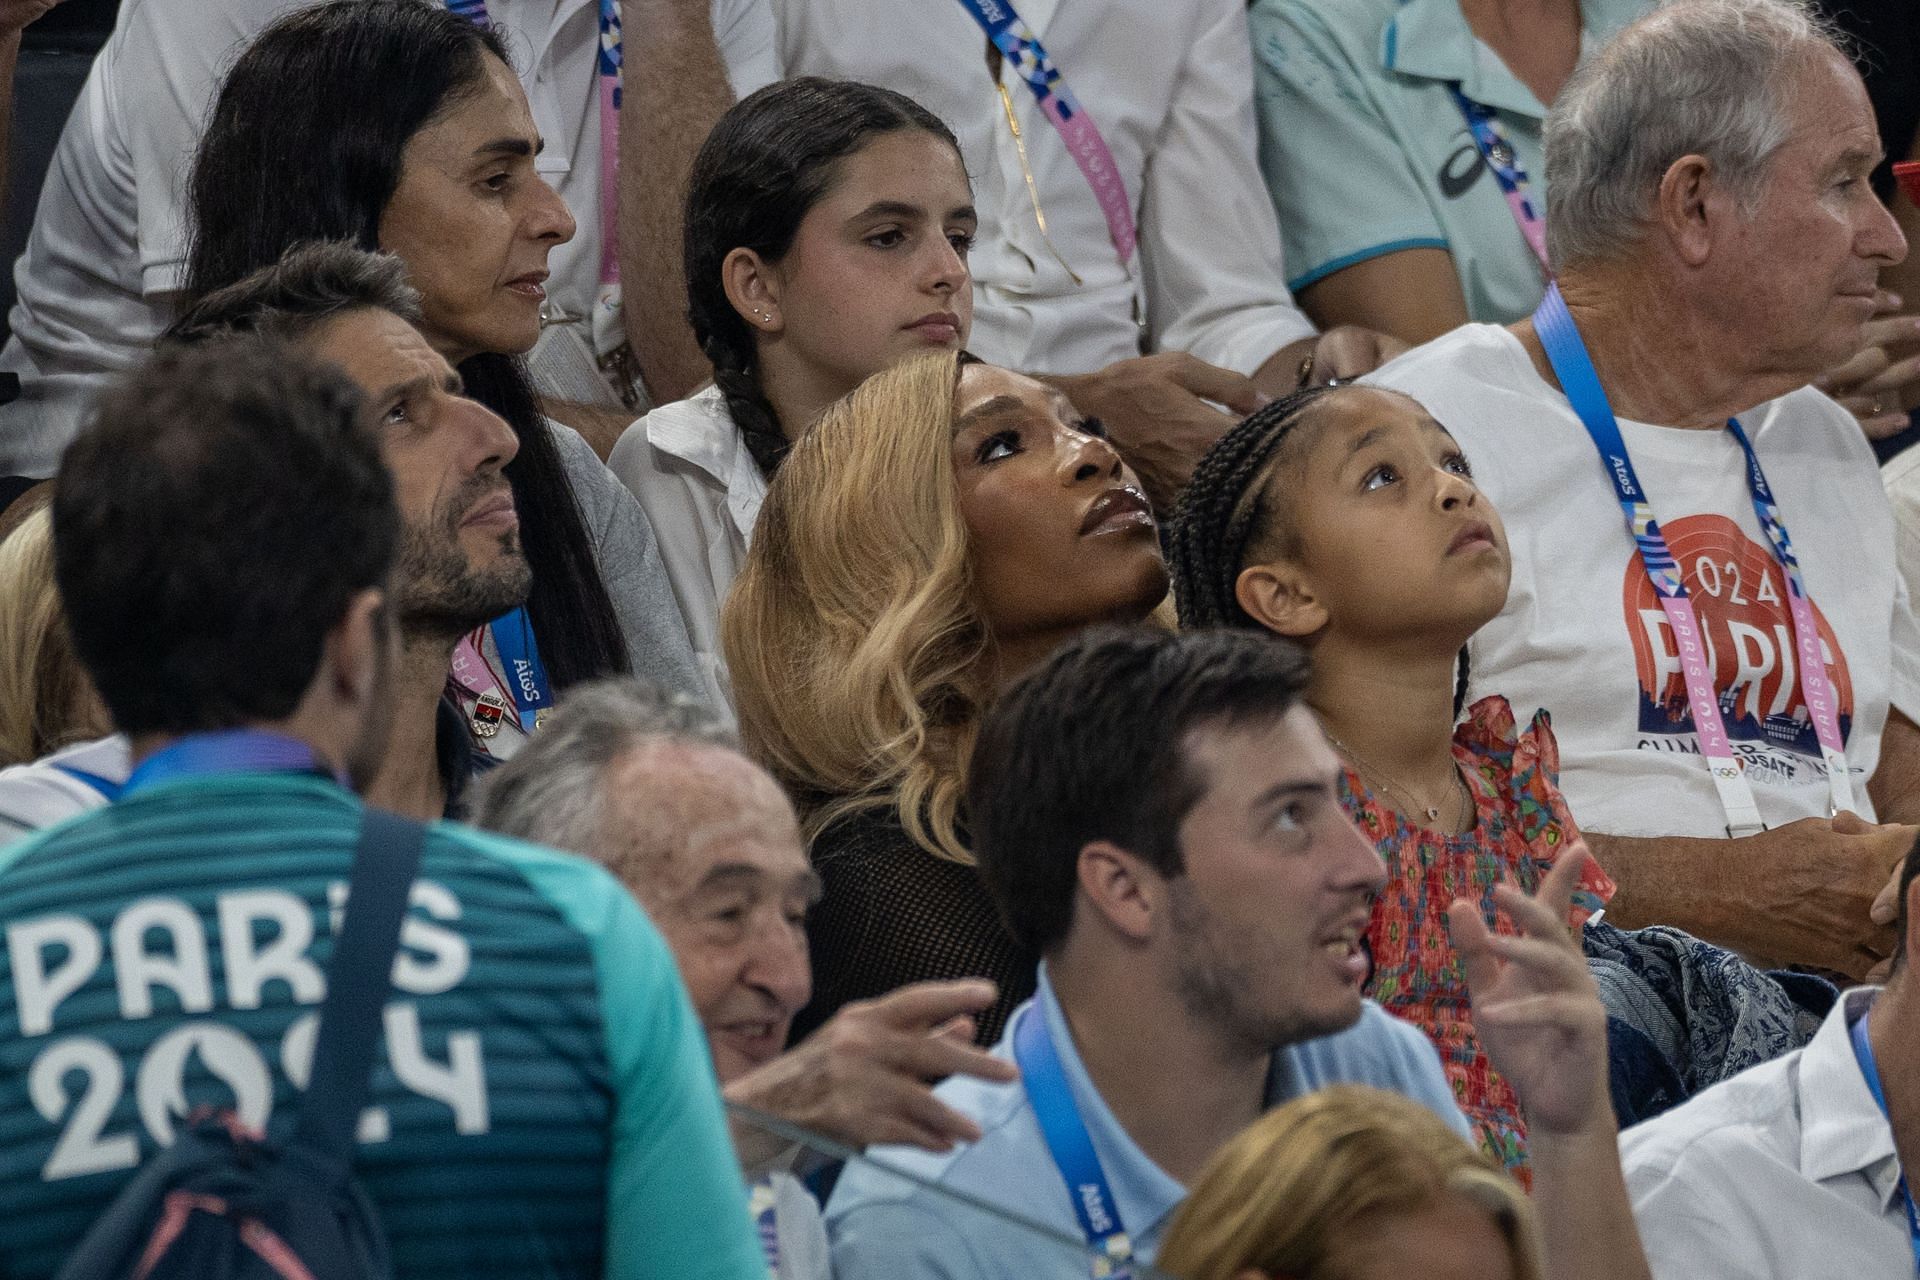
770 160
1222 511
1225 511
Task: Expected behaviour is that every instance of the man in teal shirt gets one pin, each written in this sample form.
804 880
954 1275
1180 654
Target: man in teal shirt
543 1105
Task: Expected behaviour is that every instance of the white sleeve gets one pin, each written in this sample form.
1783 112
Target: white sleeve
745 33
160 73
1690 1226
1903 494
1210 246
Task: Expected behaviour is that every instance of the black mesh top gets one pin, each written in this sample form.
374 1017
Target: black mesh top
892 913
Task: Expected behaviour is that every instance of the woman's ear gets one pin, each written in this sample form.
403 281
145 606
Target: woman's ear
1279 598
753 287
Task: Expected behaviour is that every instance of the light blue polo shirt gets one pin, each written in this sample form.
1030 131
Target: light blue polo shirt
1365 151
883 1227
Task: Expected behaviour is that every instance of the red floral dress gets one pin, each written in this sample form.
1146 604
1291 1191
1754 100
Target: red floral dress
1520 826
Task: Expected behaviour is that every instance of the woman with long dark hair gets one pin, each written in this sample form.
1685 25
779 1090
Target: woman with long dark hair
827 230
398 126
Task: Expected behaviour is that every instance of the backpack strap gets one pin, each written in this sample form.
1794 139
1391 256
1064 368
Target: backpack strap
358 981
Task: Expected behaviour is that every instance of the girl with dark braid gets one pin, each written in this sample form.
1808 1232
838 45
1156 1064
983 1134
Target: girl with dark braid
1347 519
827 231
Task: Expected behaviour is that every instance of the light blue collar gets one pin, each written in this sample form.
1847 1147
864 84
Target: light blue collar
1431 39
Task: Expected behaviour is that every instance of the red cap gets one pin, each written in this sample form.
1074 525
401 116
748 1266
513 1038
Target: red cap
1908 173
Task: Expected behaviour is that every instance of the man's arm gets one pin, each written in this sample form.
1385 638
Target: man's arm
1895 785
674 88
866 1078
15 15
1798 894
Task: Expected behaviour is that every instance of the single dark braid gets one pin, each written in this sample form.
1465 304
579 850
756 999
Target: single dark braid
1461 675
752 413
1208 537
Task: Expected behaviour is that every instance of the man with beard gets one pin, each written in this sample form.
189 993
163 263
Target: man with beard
460 563
224 532
1157 817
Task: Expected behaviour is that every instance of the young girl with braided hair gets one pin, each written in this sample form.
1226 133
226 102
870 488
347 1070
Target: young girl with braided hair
1347 518
827 229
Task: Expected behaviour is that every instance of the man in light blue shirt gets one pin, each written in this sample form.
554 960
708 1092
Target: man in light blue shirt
1157 817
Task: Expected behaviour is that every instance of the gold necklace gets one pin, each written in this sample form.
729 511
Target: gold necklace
1409 804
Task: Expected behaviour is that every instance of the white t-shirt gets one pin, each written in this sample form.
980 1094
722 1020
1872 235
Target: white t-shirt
39 794
1583 635
109 239
1170 85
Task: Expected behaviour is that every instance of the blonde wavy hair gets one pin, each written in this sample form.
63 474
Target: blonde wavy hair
851 634
46 700
1321 1169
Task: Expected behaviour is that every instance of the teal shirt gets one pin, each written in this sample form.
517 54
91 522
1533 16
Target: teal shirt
1365 151
543 1106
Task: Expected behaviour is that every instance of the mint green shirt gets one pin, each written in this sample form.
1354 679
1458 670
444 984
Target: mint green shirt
1365 151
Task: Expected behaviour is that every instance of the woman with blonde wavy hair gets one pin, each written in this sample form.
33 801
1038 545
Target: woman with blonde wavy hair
933 535
1352 1183
46 700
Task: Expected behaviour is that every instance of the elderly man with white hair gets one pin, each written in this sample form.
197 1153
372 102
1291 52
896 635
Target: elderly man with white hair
652 785
1733 706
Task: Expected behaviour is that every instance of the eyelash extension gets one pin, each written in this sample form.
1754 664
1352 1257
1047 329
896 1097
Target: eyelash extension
1009 438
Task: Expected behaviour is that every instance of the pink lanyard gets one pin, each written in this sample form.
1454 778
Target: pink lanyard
1029 59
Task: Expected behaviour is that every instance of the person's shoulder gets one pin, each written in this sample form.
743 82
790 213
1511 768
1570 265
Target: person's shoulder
1008 1137
1355 24
862 835
1753 1116
580 890
1809 423
44 792
697 430
1469 352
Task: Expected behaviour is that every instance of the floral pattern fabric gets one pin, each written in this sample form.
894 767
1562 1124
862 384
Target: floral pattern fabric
1521 824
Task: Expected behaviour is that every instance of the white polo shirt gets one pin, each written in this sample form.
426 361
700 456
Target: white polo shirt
1785 1172
1170 85
109 239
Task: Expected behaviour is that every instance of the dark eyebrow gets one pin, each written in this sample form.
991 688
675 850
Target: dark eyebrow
1370 436
1293 789
406 389
888 209
511 147
992 408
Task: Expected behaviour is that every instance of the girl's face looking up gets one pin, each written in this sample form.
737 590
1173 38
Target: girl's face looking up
1376 528
878 269
1059 531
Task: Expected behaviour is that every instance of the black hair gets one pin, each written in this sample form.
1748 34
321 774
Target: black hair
1092 745
1223 512
1909 870
211 526
311 284
306 142
765 165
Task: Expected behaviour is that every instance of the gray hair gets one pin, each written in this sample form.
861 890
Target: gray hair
550 791
1695 77
312 283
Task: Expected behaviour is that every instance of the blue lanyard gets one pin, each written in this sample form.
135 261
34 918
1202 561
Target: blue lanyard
229 751
764 1205
1071 1147
520 664
1863 1053
1504 162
